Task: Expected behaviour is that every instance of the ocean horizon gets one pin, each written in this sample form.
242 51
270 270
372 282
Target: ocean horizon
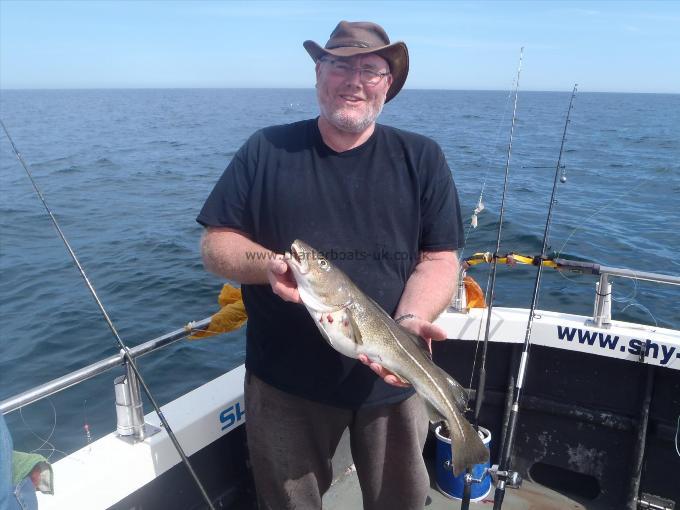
405 89
126 171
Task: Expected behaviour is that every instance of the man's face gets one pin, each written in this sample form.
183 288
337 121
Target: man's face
345 99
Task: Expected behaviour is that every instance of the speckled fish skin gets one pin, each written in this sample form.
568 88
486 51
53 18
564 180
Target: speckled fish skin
354 324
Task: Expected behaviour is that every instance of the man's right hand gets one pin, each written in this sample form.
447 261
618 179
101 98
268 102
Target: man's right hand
281 280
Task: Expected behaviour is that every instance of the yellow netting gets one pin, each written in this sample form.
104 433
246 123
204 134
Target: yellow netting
231 317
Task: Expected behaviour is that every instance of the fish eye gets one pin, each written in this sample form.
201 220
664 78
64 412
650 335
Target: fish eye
323 264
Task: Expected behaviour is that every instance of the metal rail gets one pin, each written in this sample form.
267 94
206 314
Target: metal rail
99 367
640 275
597 269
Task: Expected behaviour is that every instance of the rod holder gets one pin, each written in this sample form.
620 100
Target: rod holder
503 479
129 407
652 502
459 301
602 310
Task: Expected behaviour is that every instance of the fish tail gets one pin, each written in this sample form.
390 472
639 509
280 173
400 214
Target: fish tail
467 448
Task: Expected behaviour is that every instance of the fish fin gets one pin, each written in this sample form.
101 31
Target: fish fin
458 394
467 448
454 390
356 332
432 413
420 343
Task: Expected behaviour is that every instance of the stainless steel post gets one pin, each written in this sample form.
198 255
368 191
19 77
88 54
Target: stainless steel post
459 303
129 406
602 310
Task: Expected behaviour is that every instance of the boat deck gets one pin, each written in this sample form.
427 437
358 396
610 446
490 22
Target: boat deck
346 494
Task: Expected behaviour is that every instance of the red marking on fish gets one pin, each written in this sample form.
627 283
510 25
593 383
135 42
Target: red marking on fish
321 319
329 317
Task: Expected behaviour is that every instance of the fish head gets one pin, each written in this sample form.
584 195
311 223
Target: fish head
323 287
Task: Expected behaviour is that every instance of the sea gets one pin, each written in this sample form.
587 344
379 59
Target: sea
125 173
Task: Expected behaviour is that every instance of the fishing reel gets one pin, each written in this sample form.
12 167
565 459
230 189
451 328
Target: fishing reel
468 479
510 479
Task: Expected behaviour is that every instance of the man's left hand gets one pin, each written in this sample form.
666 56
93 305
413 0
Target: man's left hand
422 328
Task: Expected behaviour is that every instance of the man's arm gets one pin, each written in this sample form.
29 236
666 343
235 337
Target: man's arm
428 292
231 254
430 287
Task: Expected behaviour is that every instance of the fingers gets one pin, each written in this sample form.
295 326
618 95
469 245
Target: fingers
433 332
287 293
394 381
278 266
281 280
382 372
424 329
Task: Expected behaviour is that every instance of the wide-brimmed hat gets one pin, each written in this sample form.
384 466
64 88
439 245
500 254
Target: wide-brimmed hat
360 37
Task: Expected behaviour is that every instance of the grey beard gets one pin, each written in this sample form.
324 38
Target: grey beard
351 124
348 123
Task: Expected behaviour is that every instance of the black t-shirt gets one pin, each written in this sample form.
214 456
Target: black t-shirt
371 210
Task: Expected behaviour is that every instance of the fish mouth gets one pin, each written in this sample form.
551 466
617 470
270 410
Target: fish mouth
295 254
296 259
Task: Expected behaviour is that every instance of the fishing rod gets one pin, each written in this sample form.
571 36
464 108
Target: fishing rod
121 345
514 412
481 381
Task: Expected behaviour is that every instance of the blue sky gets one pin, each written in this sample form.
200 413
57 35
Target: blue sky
603 46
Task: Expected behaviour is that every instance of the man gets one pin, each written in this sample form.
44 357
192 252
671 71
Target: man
381 204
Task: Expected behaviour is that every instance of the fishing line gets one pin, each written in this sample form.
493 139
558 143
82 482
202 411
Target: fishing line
628 300
45 442
631 301
643 308
86 425
473 224
479 334
491 275
481 381
129 360
597 212
524 360
480 204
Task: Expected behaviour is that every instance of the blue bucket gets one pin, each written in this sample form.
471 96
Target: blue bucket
452 486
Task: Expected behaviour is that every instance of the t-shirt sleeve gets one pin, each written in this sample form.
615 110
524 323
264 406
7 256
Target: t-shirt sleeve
441 222
227 204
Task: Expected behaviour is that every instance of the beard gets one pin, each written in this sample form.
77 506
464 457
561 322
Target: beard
347 120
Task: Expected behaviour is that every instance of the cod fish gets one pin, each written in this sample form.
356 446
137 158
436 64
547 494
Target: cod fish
353 324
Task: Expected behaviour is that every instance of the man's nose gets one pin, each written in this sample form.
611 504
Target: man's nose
353 76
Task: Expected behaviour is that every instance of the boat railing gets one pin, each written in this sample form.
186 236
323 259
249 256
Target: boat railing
128 399
602 306
602 313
